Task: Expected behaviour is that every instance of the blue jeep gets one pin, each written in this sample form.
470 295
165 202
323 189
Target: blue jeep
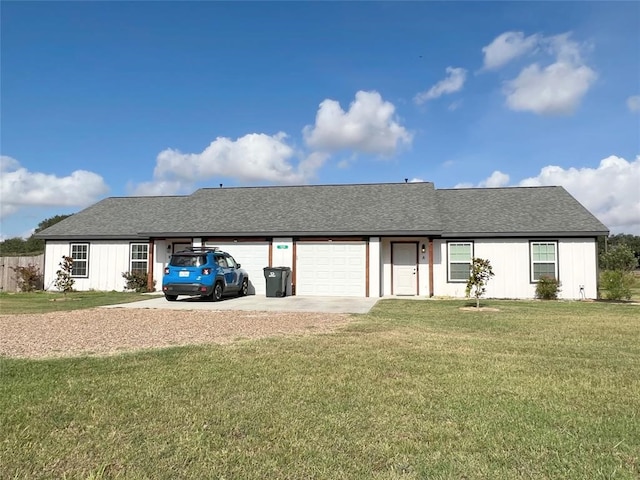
205 272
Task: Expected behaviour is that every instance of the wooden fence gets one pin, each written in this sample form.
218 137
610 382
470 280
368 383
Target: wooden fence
8 282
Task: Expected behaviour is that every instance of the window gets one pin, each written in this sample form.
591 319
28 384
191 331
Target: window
139 260
231 262
221 262
544 260
80 256
460 255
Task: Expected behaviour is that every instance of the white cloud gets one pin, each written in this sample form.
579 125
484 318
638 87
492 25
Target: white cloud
416 180
369 126
556 89
453 82
21 188
506 47
633 103
252 158
496 179
611 191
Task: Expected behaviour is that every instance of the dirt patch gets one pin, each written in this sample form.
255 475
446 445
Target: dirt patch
481 309
108 331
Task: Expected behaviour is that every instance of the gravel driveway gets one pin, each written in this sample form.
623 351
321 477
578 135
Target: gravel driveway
107 331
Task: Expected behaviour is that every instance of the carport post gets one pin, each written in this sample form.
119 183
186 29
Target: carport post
150 286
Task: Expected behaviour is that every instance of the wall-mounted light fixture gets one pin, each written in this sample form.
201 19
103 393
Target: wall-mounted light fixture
423 248
169 248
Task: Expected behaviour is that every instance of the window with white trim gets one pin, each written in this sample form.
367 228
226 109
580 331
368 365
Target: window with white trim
544 260
139 258
459 261
80 255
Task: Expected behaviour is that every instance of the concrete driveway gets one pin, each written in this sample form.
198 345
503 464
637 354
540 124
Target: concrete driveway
261 303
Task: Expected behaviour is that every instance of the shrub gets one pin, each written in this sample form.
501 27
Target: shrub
137 281
547 288
617 284
29 278
63 281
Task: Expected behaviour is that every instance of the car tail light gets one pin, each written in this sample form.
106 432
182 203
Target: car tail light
203 289
206 271
166 270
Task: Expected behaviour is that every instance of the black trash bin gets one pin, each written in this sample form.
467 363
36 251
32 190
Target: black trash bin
276 278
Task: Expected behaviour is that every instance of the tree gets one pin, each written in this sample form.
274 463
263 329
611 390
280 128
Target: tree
481 273
64 282
48 222
619 257
20 246
632 241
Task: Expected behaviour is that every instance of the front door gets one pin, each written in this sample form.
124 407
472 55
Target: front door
405 268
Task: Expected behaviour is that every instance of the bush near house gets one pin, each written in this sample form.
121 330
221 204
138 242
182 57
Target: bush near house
137 281
548 288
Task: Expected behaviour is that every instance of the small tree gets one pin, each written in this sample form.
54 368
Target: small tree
28 278
481 273
64 282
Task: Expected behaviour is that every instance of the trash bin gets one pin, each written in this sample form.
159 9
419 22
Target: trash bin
276 278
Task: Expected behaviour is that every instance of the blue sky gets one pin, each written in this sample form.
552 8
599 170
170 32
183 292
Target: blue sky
137 98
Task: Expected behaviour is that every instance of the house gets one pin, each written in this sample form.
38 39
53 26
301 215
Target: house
367 240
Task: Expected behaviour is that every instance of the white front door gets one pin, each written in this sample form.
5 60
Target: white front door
405 268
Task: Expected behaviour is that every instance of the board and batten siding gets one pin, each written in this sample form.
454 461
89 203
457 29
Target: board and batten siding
107 261
510 261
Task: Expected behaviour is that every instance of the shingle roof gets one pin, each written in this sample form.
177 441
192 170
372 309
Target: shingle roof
323 210
515 211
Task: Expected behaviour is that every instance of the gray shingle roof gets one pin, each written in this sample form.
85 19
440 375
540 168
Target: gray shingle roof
322 210
515 211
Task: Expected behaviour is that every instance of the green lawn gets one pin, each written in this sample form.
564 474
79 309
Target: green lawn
42 302
413 390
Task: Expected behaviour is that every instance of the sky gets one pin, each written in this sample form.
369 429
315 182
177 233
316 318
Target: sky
103 99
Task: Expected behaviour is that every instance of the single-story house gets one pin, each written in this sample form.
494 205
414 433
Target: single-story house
367 240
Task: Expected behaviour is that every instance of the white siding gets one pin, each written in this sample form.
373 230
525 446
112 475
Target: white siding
374 267
578 267
107 261
510 260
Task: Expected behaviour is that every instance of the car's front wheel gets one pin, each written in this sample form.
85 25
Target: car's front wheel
171 298
244 289
216 295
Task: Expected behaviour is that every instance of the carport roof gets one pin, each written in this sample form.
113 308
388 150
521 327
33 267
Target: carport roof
334 210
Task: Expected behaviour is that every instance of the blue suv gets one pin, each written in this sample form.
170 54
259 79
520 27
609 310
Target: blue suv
205 272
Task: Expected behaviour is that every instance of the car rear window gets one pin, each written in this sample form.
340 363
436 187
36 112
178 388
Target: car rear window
188 260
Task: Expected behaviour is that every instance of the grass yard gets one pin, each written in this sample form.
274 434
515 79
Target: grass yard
43 302
413 390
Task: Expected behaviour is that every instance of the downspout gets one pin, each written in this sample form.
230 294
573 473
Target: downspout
150 286
430 267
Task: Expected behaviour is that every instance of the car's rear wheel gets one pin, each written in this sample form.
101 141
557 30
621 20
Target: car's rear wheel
244 289
171 298
216 295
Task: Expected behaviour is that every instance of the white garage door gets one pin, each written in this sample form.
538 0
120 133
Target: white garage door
331 268
253 256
